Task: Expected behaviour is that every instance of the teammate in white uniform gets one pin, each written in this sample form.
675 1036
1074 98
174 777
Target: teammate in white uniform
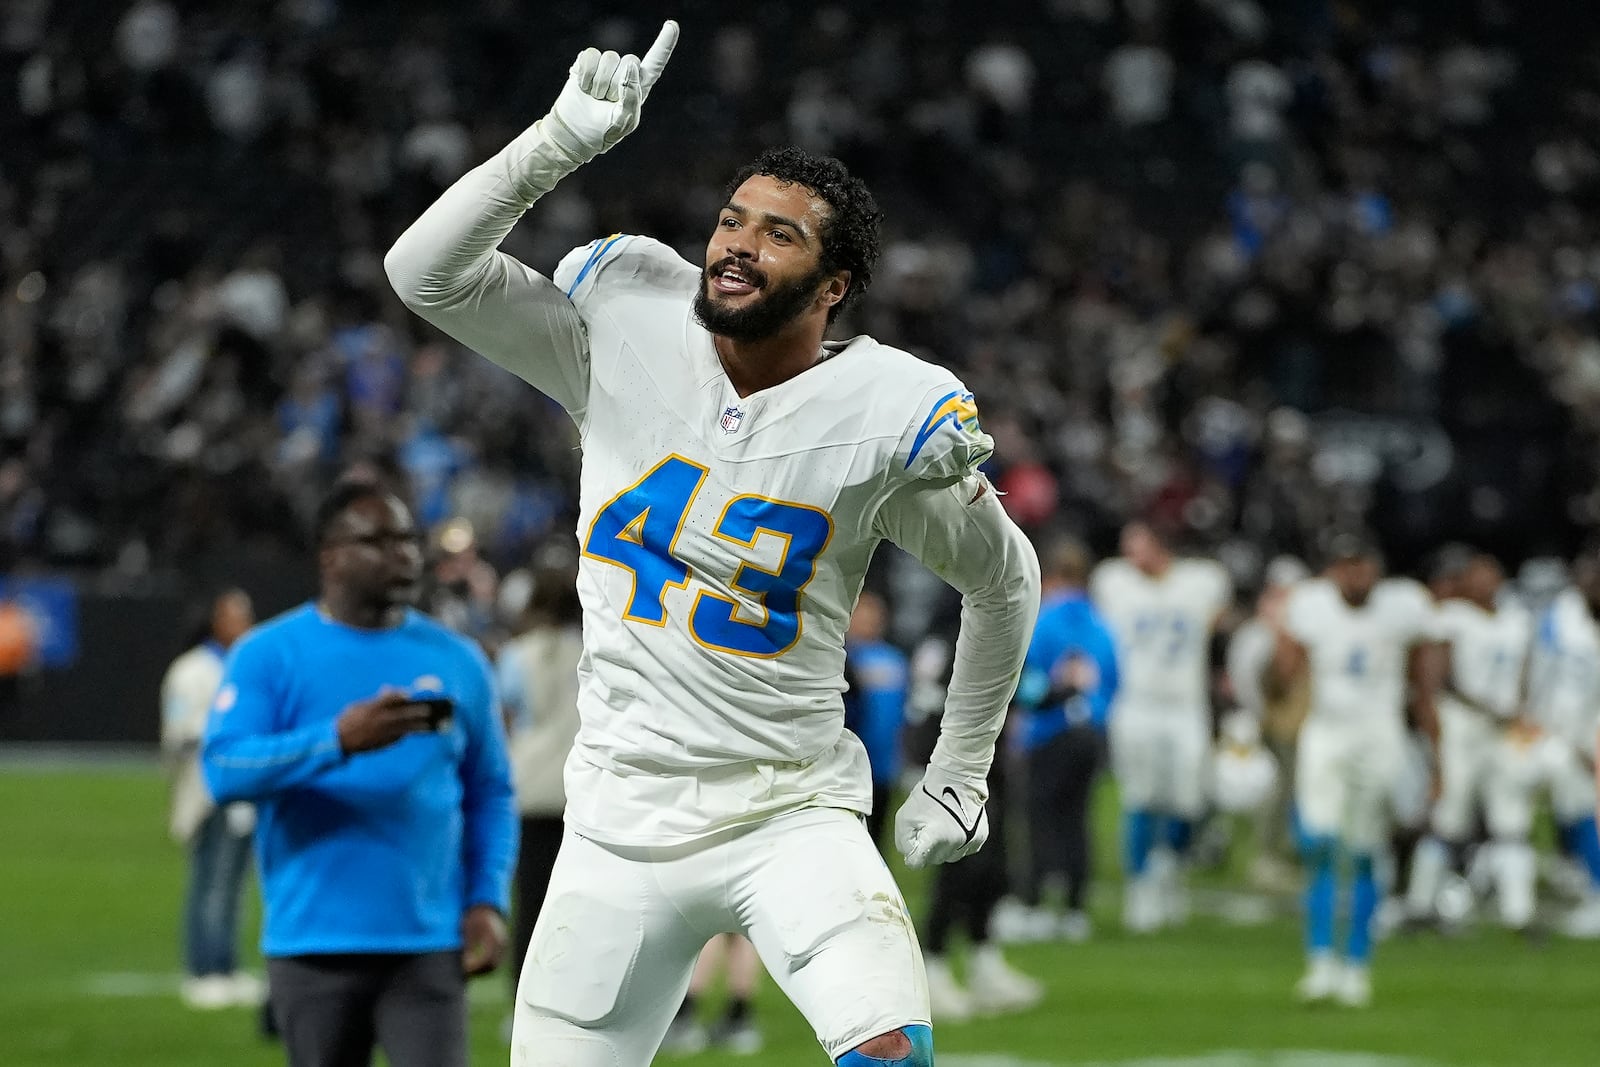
1161 611
1564 699
1483 745
1364 639
738 474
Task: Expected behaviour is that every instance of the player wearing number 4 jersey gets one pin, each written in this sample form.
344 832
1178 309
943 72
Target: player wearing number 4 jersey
738 473
1364 640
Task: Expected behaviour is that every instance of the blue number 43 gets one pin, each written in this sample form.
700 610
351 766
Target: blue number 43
638 531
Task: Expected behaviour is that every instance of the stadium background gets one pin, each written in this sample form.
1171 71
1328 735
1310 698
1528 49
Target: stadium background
1344 266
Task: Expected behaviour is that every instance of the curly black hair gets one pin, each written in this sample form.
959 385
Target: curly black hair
850 232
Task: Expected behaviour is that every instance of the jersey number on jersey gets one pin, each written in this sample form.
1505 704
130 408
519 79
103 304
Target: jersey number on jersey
1356 665
1168 635
638 531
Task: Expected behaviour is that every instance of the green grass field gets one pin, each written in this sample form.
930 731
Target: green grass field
89 889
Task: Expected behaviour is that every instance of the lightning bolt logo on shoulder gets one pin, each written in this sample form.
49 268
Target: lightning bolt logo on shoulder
956 407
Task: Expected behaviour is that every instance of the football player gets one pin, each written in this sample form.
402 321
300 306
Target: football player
1162 610
1363 639
738 472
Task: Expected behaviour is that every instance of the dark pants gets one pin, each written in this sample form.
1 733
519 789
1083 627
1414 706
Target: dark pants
218 861
1060 783
878 821
965 892
331 1010
541 841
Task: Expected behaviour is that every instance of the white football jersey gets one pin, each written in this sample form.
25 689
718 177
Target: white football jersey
1564 672
724 542
1359 656
724 538
187 690
1162 627
1488 650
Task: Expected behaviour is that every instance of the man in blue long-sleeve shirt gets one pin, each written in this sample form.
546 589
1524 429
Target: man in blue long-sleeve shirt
368 737
1068 681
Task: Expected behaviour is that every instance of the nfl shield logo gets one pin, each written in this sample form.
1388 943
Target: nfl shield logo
731 418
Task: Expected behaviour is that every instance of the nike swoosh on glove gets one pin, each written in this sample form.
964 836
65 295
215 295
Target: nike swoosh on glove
601 101
942 820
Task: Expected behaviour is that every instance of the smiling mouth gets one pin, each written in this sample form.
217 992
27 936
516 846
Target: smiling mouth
733 280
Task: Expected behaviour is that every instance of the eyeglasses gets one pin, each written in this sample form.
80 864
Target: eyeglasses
380 539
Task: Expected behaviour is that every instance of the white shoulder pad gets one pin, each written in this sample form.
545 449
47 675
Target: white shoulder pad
1308 608
621 261
943 443
1410 606
1107 580
1212 580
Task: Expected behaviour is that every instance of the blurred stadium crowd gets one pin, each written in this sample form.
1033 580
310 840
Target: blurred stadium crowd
1246 269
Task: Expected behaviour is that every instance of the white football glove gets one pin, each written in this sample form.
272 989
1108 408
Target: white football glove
942 820
600 103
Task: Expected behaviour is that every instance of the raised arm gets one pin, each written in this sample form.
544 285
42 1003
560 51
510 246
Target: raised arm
448 266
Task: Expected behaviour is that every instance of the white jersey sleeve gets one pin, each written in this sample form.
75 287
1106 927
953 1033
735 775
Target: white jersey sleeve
1564 677
1411 609
1250 653
1306 610
448 268
944 442
187 690
595 275
946 514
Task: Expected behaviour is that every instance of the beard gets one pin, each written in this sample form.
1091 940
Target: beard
770 313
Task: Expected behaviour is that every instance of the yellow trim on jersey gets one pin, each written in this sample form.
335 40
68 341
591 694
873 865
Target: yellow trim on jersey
683 517
761 598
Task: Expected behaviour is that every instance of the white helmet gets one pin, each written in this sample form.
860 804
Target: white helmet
1243 774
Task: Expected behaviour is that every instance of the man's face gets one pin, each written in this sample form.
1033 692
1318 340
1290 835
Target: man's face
1482 580
764 262
373 553
232 616
1141 547
1355 577
869 620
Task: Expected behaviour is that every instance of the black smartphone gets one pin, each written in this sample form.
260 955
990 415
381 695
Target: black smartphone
441 712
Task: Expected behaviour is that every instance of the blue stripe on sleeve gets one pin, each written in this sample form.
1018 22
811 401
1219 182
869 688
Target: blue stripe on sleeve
599 253
934 420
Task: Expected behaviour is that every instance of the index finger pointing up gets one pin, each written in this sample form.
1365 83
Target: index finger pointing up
655 60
